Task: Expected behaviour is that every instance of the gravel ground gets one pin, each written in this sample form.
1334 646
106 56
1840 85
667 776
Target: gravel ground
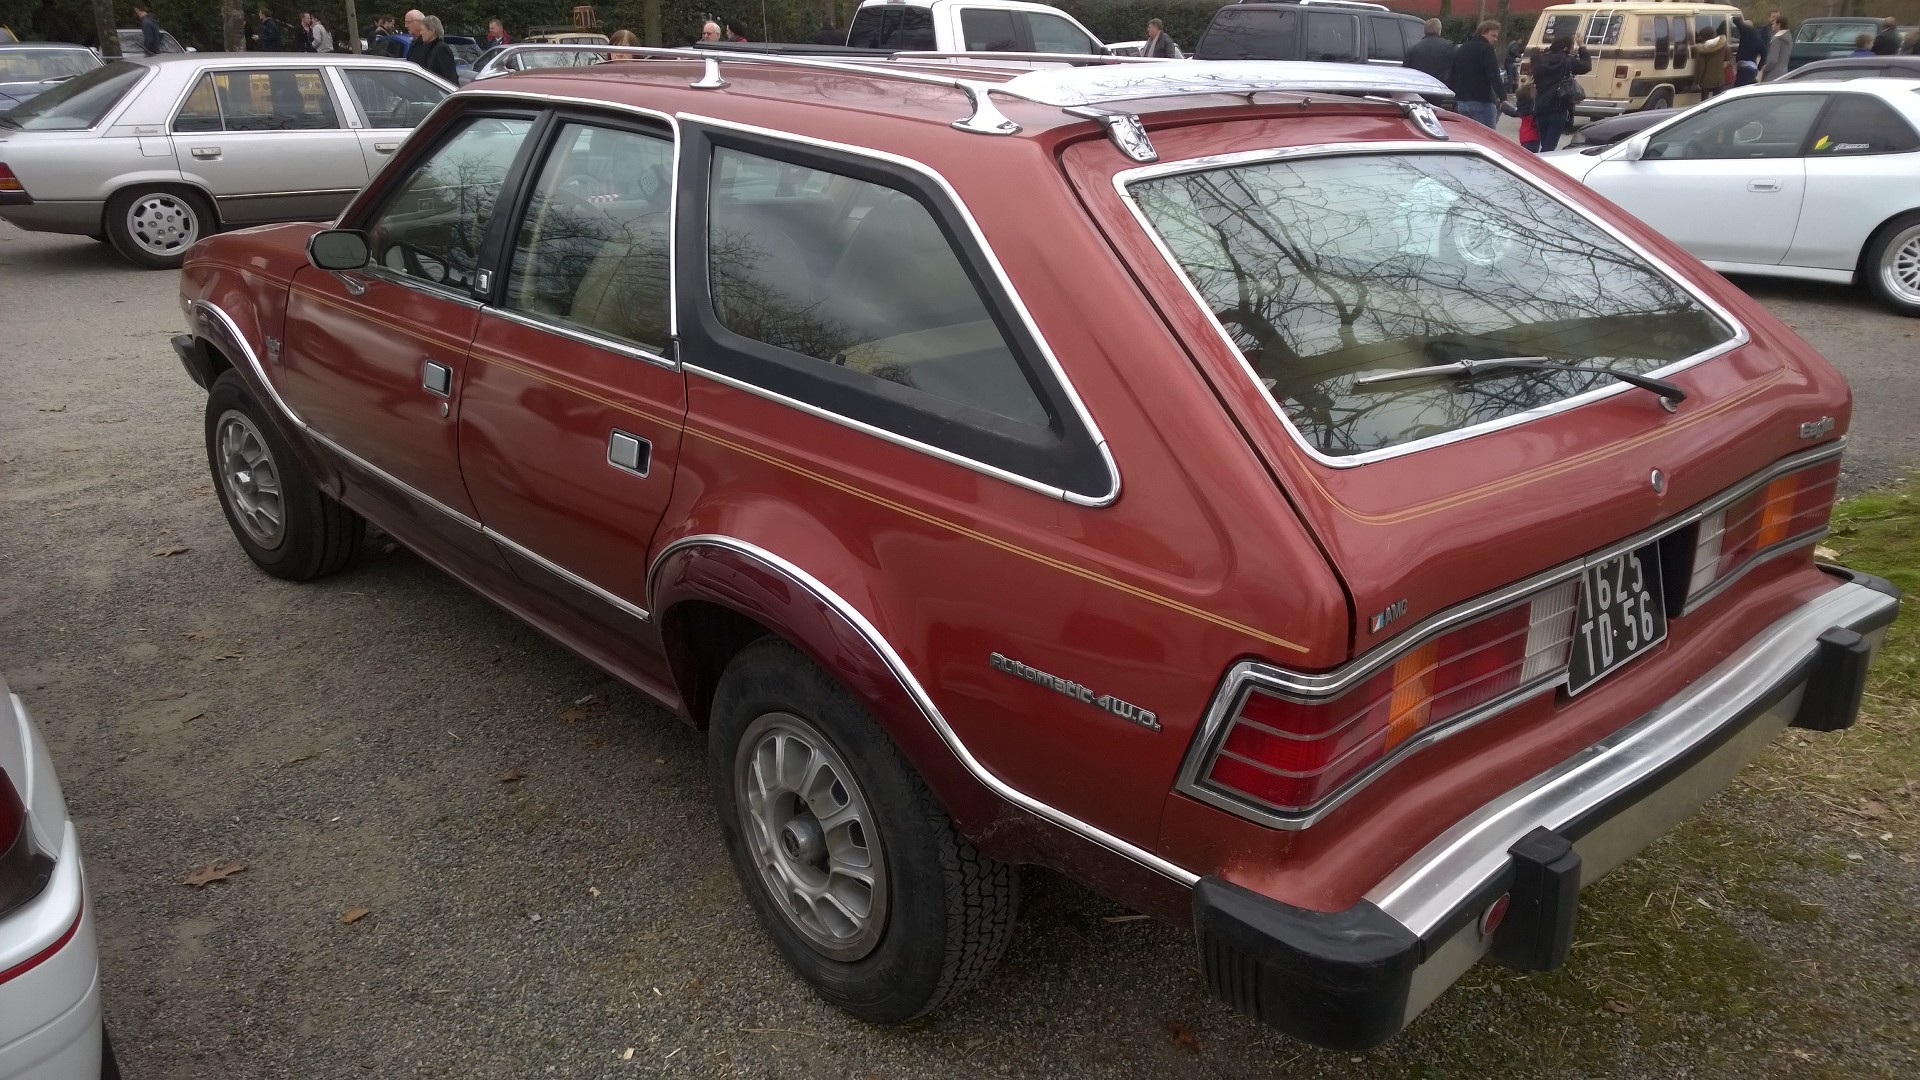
546 890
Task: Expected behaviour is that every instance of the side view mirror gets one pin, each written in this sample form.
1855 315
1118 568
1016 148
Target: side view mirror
1632 150
338 249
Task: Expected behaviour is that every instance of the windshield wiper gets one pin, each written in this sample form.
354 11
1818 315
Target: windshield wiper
1492 365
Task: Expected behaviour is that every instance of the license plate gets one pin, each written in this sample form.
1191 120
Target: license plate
1621 615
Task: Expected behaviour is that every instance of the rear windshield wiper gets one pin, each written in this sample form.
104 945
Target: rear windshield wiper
1492 365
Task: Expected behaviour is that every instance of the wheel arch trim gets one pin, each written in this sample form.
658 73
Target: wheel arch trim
898 668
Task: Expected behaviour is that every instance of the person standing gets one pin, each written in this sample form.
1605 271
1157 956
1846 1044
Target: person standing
736 30
1159 43
149 30
1477 86
497 34
1433 53
829 34
1887 41
1747 53
709 31
1710 66
1554 82
1779 49
319 38
427 50
266 38
1510 64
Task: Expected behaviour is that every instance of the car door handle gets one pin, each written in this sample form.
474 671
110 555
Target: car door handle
1763 185
385 147
206 153
629 452
437 378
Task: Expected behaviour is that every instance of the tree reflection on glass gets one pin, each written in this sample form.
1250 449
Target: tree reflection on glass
1327 269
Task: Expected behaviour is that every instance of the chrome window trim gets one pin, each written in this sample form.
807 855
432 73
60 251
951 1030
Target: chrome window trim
584 337
421 285
1310 688
918 693
1123 180
561 572
1020 310
547 101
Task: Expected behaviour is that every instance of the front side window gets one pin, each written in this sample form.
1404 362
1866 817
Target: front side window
859 276
1859 124
80 102
1053 34
393 99
278 99
1332 36
592 251
1769 126
1252 34
1325 270
989 30
432 228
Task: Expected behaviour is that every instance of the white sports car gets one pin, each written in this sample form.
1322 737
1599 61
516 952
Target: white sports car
1802 179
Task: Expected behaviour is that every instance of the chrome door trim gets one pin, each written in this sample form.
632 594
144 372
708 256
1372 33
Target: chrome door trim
885 650
584 337
566 575
283 194
1124 179
1020 311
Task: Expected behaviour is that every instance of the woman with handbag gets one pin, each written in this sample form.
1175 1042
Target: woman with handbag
1557 89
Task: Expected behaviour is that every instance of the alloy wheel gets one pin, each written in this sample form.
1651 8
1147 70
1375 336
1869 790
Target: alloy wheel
811 836
163 223
250 479
1900 265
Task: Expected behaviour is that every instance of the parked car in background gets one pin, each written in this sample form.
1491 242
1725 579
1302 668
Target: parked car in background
26 71
466 51
154 153
972 26
1642 53
1841 68
968 544
1822 177
1826 37
1326 30
518 57
131 43
51 1024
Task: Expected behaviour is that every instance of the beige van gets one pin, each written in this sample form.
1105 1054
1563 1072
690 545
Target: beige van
1642 52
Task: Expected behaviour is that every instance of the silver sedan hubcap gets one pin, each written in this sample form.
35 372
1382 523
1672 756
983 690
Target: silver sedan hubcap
250 479
1900 268
810 834
163 224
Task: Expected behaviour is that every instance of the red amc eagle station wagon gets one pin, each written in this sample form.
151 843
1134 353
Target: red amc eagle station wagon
1284 509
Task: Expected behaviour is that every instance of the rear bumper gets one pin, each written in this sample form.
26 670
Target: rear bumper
1351 979
82 217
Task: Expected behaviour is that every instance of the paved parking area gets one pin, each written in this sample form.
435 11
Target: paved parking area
546 893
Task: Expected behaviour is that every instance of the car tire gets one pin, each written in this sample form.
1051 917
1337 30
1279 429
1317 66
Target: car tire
109 1065
154 226
1659 99
1892 264
938 914
284 522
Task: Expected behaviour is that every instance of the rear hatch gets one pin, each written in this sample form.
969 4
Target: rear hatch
1318 249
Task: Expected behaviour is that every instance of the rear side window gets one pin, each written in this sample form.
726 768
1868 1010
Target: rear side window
393 99
80 102
892 27
279 99
1859 124
860 277
1324 270
989 30
1386 41
1251 35
1332 35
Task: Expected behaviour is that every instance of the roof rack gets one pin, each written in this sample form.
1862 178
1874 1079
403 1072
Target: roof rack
1081 86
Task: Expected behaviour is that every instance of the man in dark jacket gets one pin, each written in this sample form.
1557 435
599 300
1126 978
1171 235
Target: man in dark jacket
1887 41
829 34
267 37
149 30
1476 82
1432 54
1752 48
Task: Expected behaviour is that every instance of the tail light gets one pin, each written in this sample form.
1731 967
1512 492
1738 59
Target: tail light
1289 753
24 870
1785 513
8 181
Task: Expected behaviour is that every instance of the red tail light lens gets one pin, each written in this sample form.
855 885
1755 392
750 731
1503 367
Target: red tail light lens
1290 754
1784 513
8 181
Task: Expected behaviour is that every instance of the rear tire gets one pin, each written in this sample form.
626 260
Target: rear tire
1892 264
815 802
284 522
154 226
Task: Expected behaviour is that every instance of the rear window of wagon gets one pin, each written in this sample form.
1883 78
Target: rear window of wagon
1325 269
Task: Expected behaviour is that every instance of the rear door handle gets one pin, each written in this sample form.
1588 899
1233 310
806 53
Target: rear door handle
1763 185
206 153
629 452
385 147
437 378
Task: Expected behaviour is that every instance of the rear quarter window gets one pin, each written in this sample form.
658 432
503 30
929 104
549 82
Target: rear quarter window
1324 270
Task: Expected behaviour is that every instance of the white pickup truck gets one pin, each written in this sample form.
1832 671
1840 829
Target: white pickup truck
976 26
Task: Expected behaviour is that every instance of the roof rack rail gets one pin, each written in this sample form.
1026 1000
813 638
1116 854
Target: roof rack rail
1081 90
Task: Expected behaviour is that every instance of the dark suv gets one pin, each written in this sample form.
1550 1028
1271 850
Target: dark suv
1336 30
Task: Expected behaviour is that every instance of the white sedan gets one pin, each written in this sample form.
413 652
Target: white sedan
1813 180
